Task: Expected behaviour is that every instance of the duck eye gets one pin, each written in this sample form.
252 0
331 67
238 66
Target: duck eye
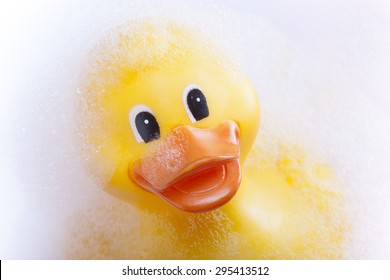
144 124
195 103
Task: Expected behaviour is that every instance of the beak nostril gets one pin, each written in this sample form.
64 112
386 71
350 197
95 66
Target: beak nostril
230 132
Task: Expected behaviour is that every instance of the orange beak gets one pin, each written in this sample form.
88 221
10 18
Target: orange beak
195 170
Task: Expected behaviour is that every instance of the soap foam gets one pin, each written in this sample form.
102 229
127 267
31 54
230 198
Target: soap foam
323 88
167 156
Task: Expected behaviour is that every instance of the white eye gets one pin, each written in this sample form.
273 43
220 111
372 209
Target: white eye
195 103
144 124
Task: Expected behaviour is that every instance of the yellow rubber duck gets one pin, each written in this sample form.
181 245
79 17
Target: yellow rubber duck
172 124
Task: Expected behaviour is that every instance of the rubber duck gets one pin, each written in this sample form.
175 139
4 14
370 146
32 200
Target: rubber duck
172 124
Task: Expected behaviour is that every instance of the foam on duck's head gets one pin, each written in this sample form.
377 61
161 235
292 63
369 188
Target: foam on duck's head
160 103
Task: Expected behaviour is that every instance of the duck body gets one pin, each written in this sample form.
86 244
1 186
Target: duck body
173 124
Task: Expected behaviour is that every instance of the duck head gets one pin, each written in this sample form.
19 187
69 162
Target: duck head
176 118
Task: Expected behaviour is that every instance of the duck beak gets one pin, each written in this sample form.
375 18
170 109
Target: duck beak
194 169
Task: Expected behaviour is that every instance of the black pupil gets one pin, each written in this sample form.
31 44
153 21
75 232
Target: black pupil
197 104
147 126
